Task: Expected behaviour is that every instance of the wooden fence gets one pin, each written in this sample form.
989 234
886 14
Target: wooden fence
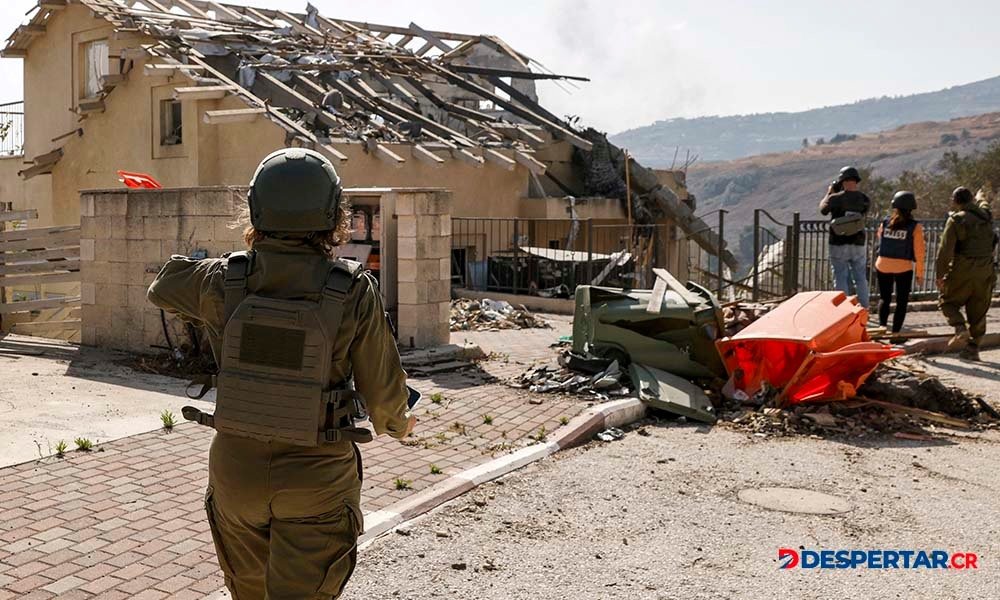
30 259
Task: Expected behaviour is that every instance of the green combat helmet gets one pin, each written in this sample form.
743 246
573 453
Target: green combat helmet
295 190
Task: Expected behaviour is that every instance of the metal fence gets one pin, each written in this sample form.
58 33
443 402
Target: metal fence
550 257
795 257
12 126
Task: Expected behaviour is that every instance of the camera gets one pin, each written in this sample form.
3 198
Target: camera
837 186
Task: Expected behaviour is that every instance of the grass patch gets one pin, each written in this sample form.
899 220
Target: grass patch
168 420
564 421
83 445
61 447
436 470
487 419
403 484
437 398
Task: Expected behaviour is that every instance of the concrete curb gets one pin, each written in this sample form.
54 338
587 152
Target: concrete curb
579 430
940 345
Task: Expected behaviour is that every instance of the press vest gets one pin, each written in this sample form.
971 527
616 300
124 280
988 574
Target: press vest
897 243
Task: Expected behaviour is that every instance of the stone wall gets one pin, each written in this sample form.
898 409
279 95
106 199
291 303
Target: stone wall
125 237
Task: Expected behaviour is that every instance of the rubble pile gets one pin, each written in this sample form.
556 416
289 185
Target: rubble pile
738 316
492 315
572 376
893 400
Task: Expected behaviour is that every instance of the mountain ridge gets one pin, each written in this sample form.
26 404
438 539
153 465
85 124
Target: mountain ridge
721 138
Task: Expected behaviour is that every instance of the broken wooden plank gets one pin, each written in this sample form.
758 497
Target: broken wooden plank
49 158
384 153
33 305
13 258
14 53
64 239
499 158
19 215
928 415
46 278
36 325
90 107
235 115
35 171
477 70
39 233
207 92
432 39
39 267
160 70
535 166
466 156
425 155
110 81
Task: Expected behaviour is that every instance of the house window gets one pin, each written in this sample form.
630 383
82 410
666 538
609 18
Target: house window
95 66
171 123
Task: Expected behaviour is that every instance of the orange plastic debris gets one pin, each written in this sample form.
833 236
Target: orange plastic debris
138 180
814 346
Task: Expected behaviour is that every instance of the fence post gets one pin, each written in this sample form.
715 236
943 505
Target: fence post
719 264
789 260
517 254
796 263
756 254
590 251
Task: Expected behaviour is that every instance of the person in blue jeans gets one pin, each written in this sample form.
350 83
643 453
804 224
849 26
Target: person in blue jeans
847 208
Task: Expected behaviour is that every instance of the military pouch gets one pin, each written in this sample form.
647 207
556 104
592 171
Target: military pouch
851 223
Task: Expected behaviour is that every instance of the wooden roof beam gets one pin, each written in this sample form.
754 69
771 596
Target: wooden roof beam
496 157
237 115
205 92
423 154
530 162
383 153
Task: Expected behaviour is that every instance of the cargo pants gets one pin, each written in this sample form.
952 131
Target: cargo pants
285 519
969 285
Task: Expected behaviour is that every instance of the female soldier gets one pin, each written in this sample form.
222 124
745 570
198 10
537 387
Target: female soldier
291 327
900 243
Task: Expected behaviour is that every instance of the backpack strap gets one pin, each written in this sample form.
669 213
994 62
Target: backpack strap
237 271
339 281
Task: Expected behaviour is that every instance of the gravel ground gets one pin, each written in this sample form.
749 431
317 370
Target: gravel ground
657 516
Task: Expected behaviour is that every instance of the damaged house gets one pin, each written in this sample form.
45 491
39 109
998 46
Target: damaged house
194 93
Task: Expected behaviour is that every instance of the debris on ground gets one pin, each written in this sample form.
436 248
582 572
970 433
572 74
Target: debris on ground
492 315
672 327
737 316
597 378
611 434
895 399
664 391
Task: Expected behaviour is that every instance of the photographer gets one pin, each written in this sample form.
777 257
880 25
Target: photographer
847 208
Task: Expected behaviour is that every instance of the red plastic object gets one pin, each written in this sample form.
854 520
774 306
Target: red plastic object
138 180
814 346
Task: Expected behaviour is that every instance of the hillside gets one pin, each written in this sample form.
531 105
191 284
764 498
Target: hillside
783 183
728 138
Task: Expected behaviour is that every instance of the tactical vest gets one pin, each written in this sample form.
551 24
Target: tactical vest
897 243
976 237
275 361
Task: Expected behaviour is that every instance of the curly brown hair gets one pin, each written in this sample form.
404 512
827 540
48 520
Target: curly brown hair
325 241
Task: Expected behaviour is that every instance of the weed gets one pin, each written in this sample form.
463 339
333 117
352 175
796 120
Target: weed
542 434
441 436
167 418
403 484
83 444
458 428
487 419
437 397
61 447
436 470
564 421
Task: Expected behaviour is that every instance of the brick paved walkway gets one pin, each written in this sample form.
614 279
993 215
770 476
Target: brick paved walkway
126 521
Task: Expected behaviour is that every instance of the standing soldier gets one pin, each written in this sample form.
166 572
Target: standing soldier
966 272
301 339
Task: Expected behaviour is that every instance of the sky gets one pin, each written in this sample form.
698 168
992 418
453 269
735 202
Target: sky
654 60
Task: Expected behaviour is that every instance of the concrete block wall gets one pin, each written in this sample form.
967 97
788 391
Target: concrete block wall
424 267
125 237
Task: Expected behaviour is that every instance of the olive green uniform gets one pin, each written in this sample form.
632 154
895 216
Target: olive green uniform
965 262
285 519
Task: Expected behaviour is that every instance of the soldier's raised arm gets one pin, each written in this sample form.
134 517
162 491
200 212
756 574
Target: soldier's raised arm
193 290
378 373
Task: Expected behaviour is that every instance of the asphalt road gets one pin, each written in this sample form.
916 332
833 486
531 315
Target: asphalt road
657 516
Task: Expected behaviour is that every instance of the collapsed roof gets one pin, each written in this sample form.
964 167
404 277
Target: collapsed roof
330 81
